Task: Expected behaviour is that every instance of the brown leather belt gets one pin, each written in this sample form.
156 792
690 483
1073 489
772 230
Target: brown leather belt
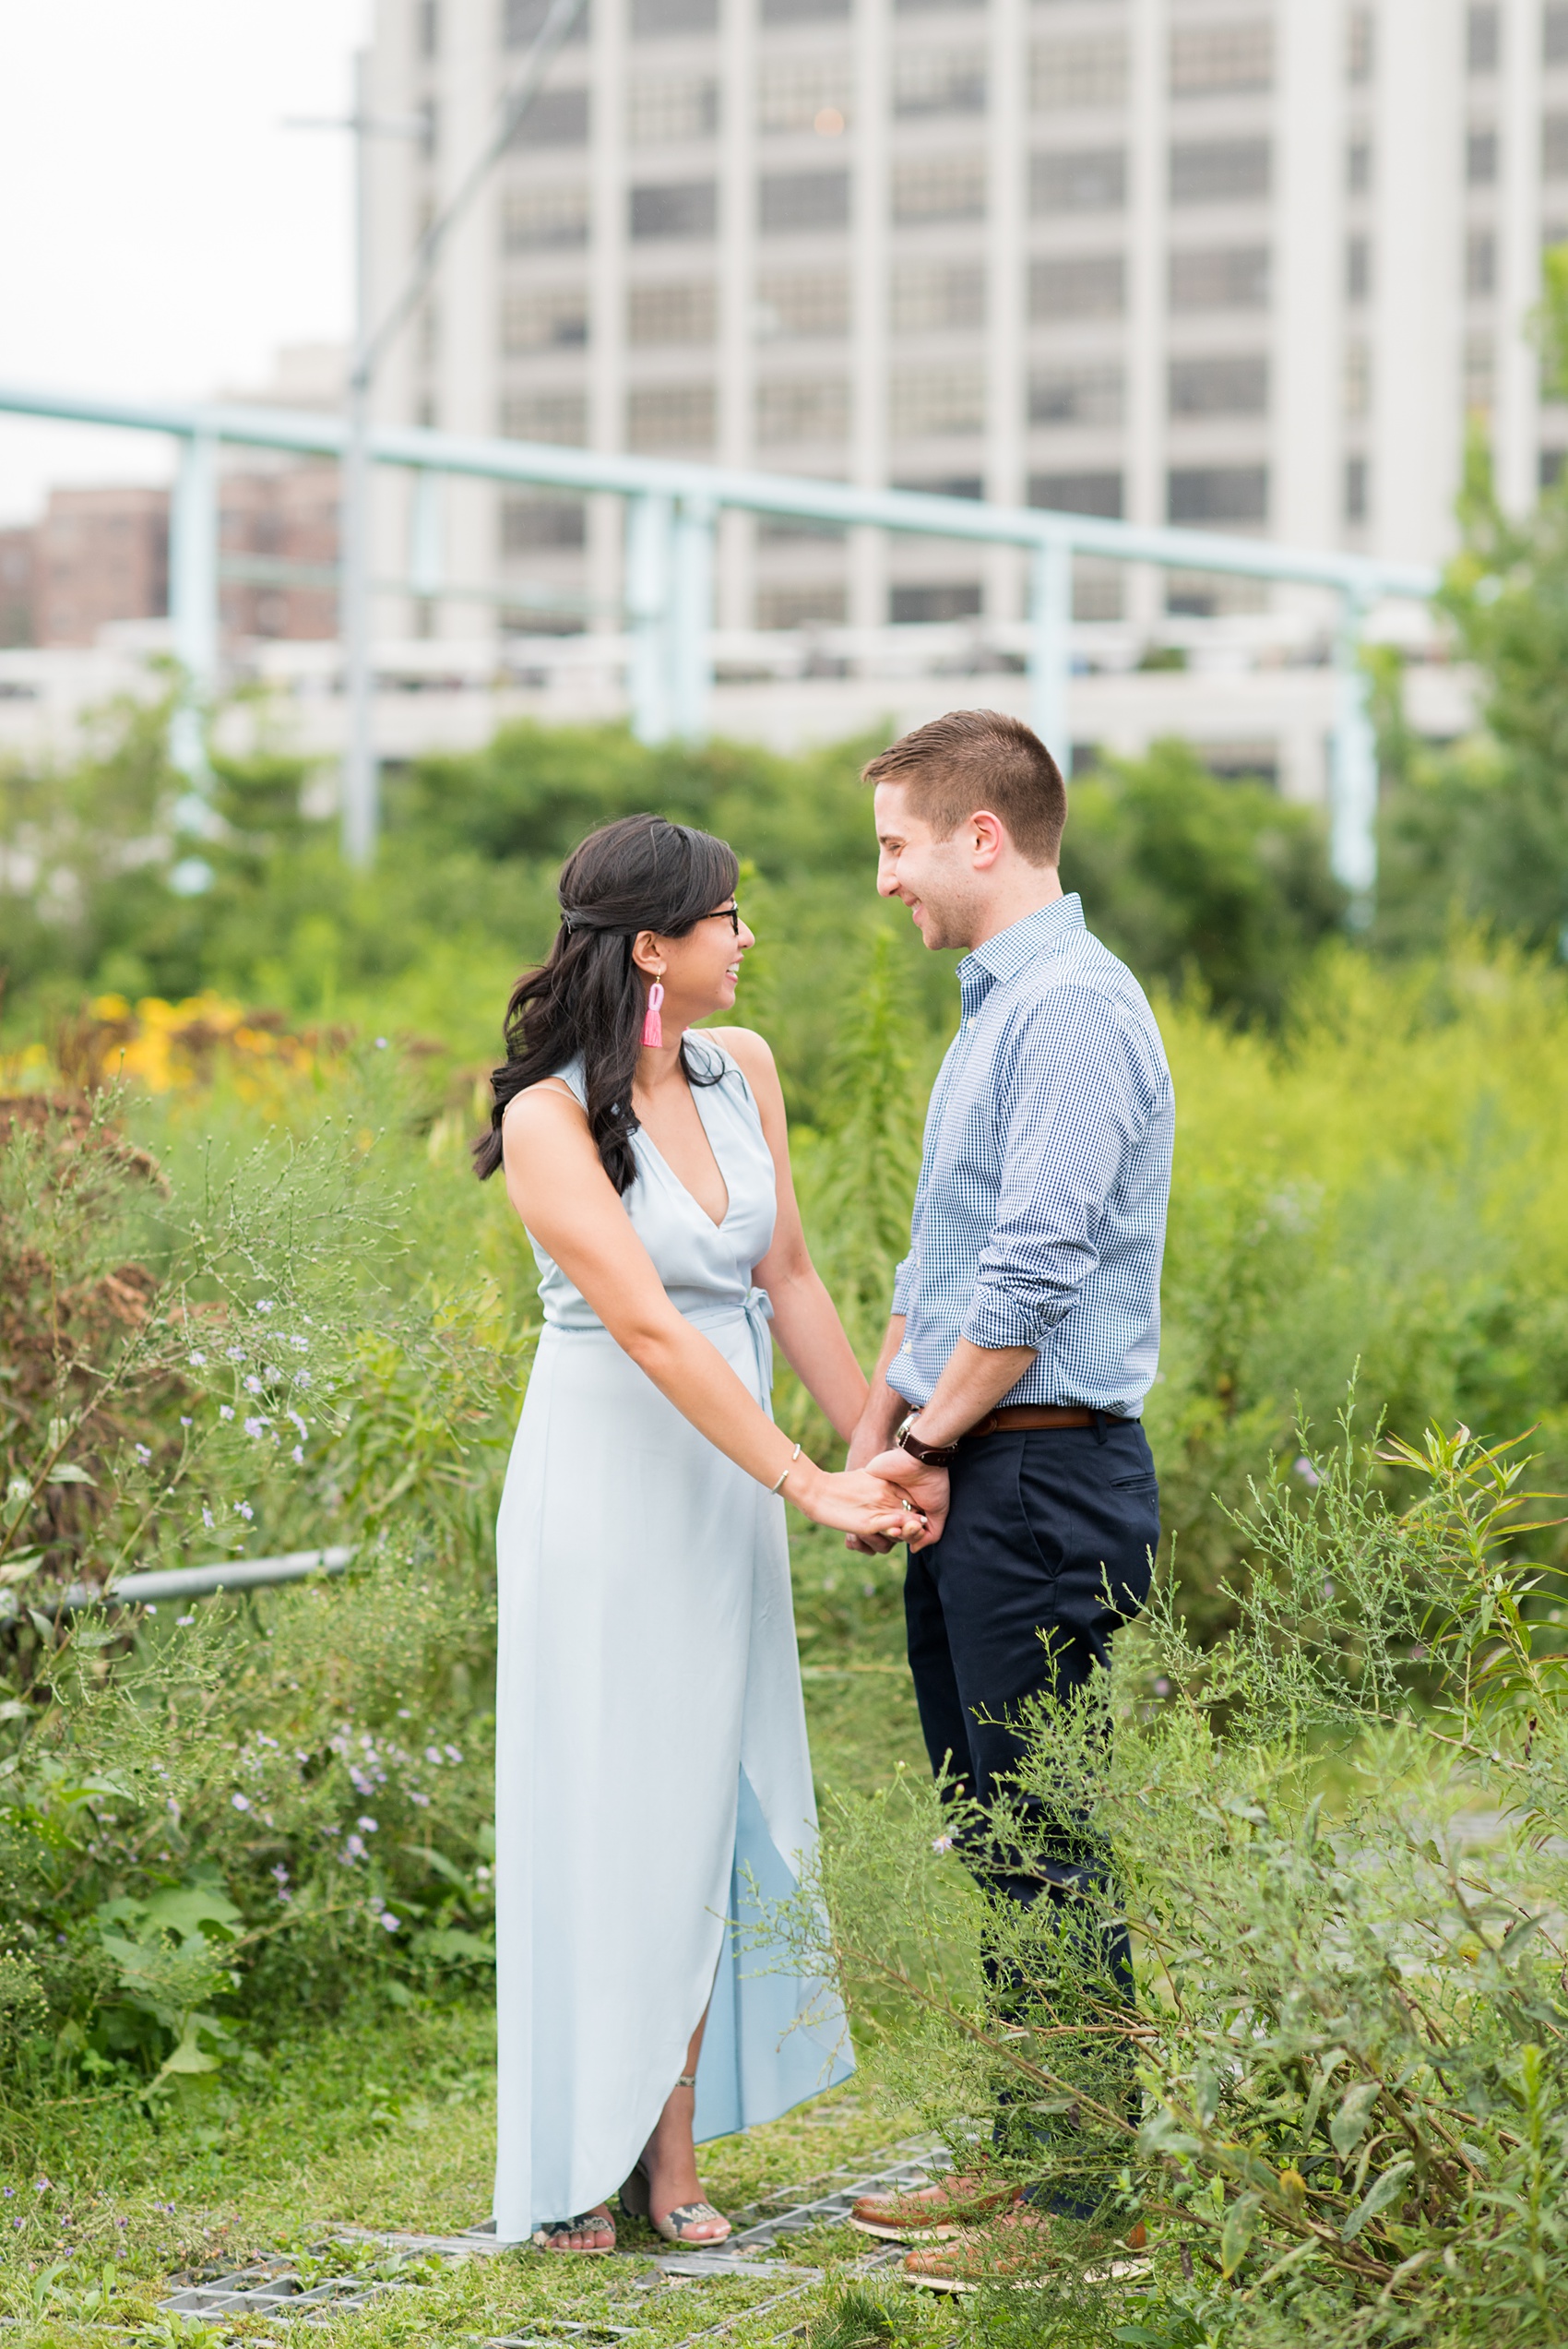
1023 1415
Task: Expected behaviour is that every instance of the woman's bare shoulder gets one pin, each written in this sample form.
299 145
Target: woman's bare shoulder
752 1053
529 1107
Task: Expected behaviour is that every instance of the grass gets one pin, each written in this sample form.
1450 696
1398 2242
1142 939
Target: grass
377 2117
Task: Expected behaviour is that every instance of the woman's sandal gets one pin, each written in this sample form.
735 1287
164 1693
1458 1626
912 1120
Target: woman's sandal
553 2235
636 2200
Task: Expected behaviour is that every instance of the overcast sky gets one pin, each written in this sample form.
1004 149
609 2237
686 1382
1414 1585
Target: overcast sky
162 233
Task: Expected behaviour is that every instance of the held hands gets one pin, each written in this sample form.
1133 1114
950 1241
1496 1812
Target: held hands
926 1487
873 1510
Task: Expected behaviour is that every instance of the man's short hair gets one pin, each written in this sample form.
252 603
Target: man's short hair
974 759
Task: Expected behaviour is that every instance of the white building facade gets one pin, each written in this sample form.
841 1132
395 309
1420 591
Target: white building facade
1246 264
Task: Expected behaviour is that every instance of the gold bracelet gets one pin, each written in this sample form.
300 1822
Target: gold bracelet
785 1470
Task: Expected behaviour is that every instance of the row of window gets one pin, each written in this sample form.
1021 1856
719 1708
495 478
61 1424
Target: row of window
1203 60
1209 494
925 297
792 93
925 191
923 404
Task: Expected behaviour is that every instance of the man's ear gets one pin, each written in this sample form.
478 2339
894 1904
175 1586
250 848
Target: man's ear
988 835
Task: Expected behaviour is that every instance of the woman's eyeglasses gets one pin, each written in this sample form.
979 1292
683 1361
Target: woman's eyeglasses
731 913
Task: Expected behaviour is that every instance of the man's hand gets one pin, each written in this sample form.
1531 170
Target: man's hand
927 1488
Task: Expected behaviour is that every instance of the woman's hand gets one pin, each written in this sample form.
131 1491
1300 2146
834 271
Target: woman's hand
855 1502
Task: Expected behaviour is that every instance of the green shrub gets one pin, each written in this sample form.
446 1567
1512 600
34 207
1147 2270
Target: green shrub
1338 1843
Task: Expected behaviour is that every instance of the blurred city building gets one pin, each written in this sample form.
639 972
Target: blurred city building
98 557
1219 262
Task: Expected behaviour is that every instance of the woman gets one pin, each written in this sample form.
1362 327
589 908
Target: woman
651 1759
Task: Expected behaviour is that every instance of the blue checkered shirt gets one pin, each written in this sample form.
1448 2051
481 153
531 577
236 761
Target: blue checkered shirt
1040 1218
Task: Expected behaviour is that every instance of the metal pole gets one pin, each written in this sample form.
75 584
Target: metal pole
691 618
1353 782
1050 652
650 522
192 598
358 811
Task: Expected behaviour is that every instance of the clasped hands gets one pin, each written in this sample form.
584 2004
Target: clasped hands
924 1488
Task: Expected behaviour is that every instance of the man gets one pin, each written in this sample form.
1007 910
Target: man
1025 1318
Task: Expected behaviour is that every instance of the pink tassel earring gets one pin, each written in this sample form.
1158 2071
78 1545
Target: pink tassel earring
653 1026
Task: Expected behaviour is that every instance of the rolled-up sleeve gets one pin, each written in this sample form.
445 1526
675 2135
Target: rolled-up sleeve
1071 1103
904 1284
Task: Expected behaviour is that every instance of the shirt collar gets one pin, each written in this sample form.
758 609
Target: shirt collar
1045 931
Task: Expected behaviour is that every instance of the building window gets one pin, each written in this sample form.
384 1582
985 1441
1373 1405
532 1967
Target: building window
1360 46
1218 494
427 28
538 520
556 118
1358 165
1480 368
1078 494
1554 37
679 310
799 12
659 19
1551 467
802 408
677 209
548 318
1078 285
1230 384
1223 277
1214 595
1089 395
671 415
1211 61
1358 268
1219 171
938 81
557 416
1358 378
932 401
804 303
661 114
1091 179
543 220
803 605
939 187
793 202
1480 158
806 93
929 7
1357 502
522 21
1554 147
927 607
790 529
1096 595
1483 39
1481 263
932 296
1088 71
967 485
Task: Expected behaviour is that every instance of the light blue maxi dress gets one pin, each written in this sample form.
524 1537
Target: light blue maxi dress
651 1759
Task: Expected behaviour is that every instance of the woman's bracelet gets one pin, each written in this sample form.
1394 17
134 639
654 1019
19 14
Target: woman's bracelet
785 1470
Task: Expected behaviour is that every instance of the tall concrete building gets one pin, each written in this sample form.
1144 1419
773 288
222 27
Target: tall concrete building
1248 264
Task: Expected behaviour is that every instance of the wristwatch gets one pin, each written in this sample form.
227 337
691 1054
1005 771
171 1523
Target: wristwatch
928 1455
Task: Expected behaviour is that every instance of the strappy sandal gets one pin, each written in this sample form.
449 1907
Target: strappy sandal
553 2236
636 2201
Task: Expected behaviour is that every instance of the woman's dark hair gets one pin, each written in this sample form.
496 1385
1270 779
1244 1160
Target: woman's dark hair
639 874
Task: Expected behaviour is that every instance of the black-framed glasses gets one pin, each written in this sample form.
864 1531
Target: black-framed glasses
731 913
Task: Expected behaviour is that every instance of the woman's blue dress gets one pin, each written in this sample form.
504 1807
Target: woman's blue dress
652 1774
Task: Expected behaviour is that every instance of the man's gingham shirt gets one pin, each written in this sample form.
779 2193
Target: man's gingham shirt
1040 1218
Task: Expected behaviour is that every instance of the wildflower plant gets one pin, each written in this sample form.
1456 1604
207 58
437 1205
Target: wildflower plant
1340 2101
